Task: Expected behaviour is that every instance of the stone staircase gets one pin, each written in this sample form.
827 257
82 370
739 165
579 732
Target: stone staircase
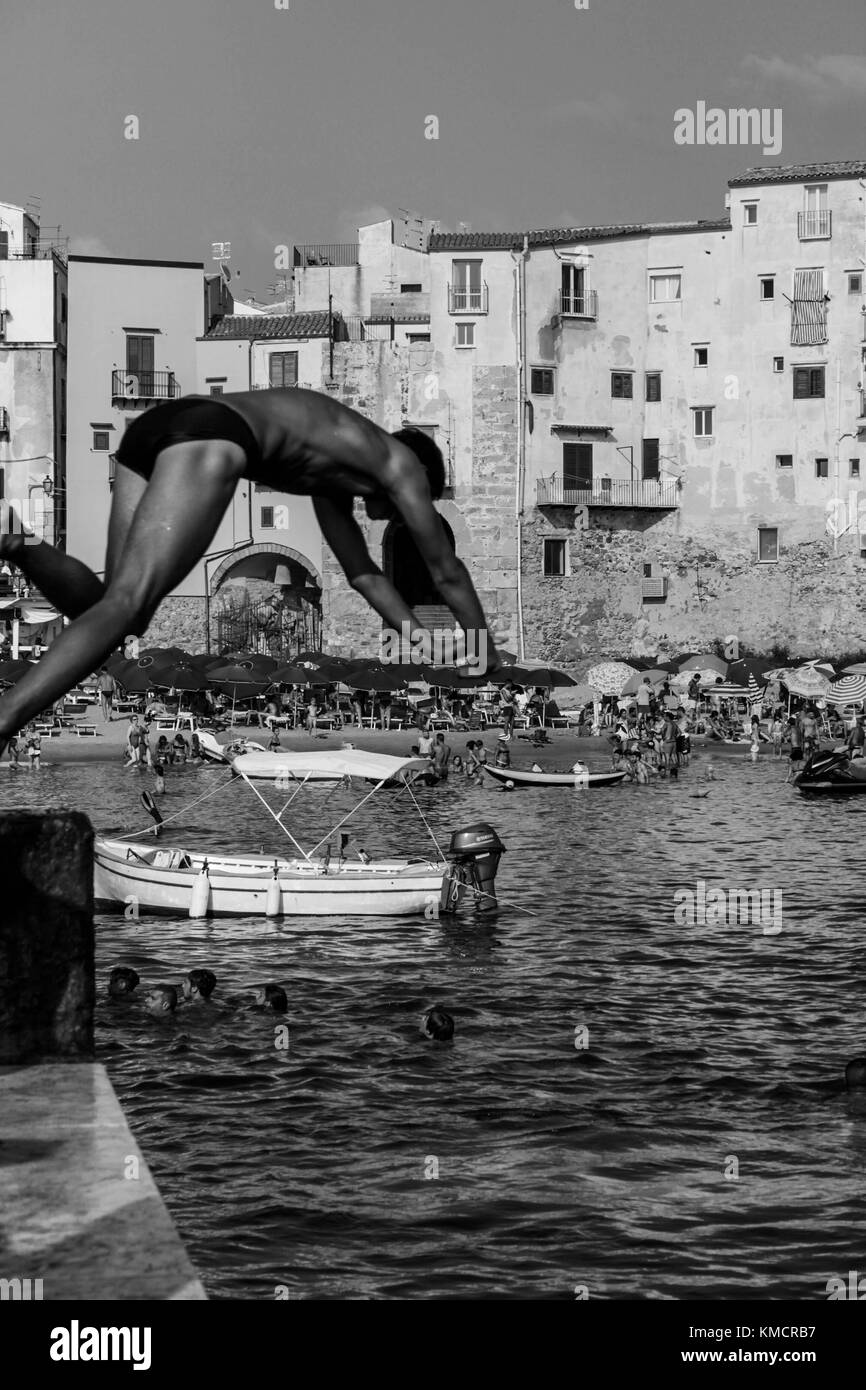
435 617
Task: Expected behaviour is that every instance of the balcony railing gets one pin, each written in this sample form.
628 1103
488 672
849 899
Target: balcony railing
651 495
37 251
465 300
327 253
583 306
144 386
815 226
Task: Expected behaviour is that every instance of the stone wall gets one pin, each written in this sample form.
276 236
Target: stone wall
178 622
811 602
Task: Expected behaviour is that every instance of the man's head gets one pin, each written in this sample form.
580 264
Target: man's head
428 454
161 1001
273 997
122 981
199 984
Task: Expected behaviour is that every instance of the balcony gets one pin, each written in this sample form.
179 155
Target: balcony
37 250
583 306
327 254
143 386
463 299
815 226
648 495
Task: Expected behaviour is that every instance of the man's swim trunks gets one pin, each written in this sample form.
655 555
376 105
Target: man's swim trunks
183 421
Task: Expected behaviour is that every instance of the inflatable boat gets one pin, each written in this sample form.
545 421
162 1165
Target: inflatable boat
521 777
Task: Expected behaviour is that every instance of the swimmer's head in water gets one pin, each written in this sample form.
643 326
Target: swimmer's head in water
274 997
855 1072
438 1025
122 981
199 984
161 1001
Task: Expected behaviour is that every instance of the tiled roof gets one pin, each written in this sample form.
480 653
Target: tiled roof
798 173
310 325
555 236
474 241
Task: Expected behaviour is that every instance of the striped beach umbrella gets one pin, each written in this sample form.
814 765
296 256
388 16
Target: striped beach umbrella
806 681
848 690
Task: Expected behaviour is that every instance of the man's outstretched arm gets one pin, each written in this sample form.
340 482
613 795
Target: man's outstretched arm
346 539
406 484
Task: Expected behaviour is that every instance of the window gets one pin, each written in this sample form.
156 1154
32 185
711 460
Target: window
466 287
784 460
768 287
808 382
750 214
283 369
822 468
216 389
650 460
267 518
855 282
702 356
139 360
101 440
554 557
647 571
778 364
410 289
577 467
703 418
575 297
465 335
768 544
621 386
541 381
653 386
854 468
417 337
665 288
64 308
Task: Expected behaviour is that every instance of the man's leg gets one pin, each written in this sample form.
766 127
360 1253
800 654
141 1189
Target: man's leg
67 583
172 527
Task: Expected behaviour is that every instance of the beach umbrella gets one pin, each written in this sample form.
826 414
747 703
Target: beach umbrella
115 662
450 678
528 674
777 674
848 690
729 690
656 678
683 680
858 669
574 696
252 662
163 654
179 676
806 681
747 667
610 676
135 679
705 661
381 678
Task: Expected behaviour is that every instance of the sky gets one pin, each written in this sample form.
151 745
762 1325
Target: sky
263 126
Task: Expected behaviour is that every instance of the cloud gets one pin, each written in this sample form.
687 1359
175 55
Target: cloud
829 78
87 246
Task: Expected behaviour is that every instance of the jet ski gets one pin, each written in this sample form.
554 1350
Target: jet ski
832 774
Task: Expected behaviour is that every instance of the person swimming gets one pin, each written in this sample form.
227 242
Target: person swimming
161 1001
438 1025
159 784
122 981
272 997
198 986
855 1073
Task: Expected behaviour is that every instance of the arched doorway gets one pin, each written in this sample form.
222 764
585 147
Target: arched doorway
407 571
267 599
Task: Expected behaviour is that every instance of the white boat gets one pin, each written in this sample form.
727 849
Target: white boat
192 883
523 777
199 884
328 765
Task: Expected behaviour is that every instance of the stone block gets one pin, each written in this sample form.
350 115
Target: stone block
46 936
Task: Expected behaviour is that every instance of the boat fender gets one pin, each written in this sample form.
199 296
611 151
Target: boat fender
200 897
274 900
509 786
150 807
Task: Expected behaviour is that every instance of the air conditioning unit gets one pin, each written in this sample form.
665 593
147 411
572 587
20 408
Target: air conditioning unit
656 587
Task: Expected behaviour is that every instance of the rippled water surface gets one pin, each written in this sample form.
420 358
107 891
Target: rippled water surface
701 1145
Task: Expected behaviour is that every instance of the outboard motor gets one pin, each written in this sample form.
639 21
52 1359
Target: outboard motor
475 852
